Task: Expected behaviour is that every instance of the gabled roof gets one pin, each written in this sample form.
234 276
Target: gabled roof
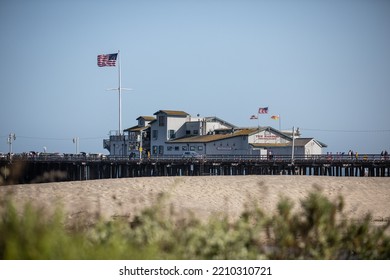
213 137
146 118
172 113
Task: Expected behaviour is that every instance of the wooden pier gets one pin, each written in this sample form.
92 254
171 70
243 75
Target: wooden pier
59 168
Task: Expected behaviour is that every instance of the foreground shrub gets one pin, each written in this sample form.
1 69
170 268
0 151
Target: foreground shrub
321 231
318 230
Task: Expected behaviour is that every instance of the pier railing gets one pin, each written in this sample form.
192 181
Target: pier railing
26 168
257 158
321 158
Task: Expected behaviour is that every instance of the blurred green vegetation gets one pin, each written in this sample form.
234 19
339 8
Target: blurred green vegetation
317 230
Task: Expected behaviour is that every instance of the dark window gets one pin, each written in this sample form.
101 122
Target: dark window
161 120
171 133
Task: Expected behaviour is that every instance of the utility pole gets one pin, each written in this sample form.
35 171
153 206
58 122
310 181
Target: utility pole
11 139
293 146
140 146
76 140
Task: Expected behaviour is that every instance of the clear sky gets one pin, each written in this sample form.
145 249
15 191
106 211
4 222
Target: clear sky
323 66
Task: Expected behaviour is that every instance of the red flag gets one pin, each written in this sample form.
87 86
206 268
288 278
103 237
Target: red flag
107 59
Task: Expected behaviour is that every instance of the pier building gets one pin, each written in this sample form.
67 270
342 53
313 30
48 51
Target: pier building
174 133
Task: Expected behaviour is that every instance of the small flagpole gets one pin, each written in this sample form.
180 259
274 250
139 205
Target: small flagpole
280 123
120 94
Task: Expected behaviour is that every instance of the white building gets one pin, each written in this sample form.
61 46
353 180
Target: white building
171 133
172 127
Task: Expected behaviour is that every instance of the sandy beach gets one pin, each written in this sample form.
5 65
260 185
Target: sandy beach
203 196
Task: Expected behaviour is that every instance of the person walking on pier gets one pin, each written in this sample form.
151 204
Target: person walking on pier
350 153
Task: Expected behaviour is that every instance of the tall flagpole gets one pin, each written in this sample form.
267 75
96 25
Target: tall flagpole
107 60
120 94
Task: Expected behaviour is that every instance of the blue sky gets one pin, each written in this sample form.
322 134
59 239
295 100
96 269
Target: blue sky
324 66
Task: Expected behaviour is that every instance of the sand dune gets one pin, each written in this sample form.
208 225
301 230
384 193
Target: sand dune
204 196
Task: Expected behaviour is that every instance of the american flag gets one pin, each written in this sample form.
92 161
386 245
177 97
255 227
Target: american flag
263 110
107 59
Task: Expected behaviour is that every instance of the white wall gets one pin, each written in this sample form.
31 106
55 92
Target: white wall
170 123
211 126
232 146
312 148
267 137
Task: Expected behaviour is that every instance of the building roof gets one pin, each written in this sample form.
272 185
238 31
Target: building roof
268 145
136 128
213 137
146 118
172 113
216 119
277 132
298 142
304 141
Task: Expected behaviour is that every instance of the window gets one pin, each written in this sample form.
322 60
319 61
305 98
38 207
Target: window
169 148
154 150
195 132
160 150
200 148
171 134
184 148
192 148
177 148
155 134
188 132
161 120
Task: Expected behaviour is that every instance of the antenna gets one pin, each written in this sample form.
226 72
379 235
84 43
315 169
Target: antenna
121 89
